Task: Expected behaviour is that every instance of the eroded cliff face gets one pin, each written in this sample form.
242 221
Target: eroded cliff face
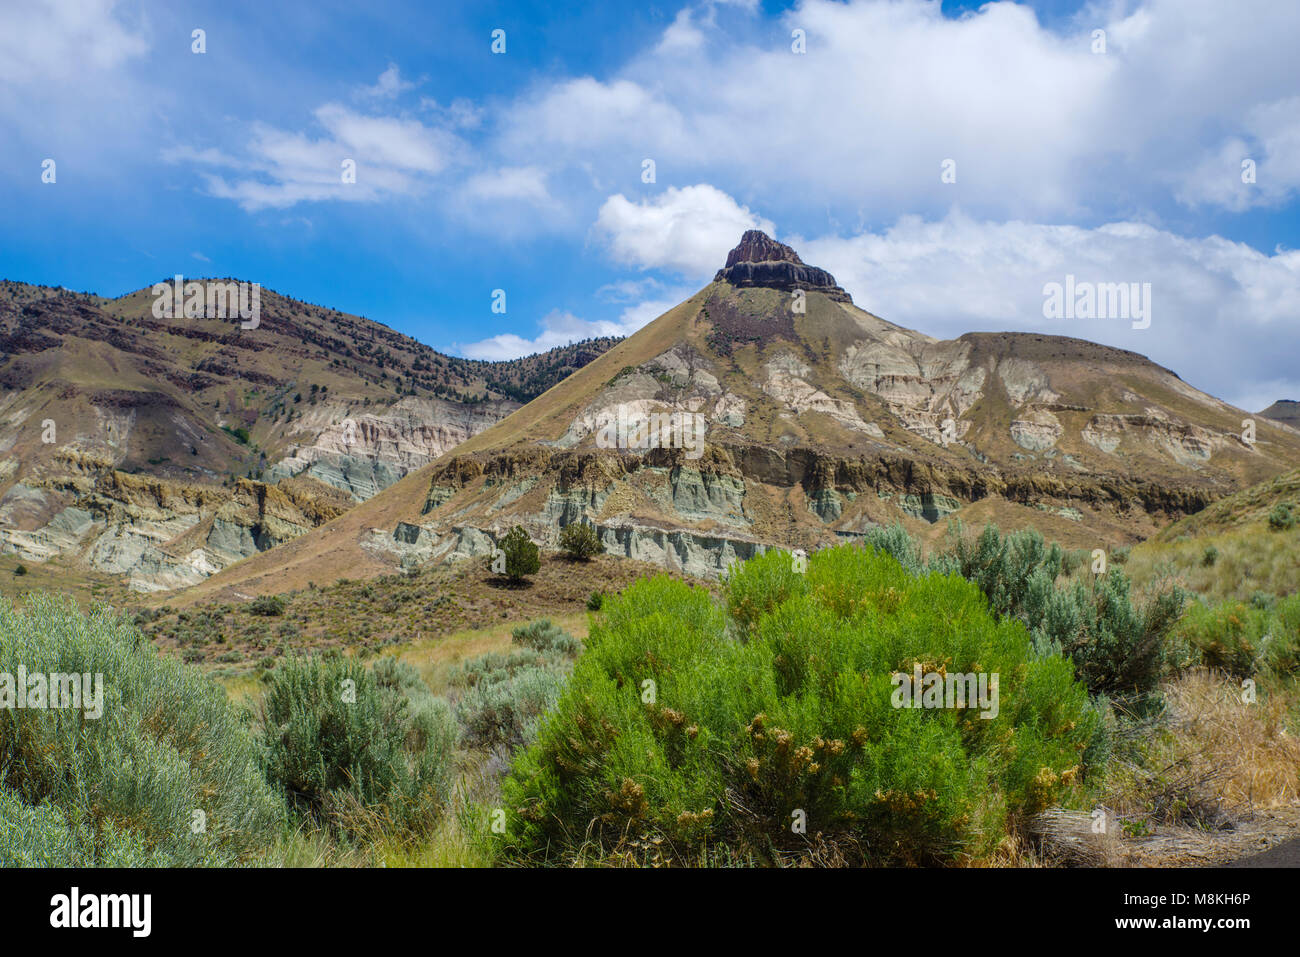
735 501
156 533
364 452
78 505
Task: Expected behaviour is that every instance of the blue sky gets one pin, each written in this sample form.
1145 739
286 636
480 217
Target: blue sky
523 170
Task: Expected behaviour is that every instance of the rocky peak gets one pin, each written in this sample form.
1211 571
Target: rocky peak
757 246
759 260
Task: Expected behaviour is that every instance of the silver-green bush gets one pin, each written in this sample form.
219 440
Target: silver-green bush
168 775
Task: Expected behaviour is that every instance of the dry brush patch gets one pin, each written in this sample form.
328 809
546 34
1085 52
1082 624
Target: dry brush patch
1255 759
1210 780
388 612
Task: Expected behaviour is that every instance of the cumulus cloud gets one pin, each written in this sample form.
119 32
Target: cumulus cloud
1270 146
1037 124
687 230
860 126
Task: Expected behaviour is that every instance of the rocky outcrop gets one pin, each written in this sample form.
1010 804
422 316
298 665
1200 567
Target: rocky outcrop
364 452
784 383
714 493
760 260
691 553
1188 445
155 533
1037 430
924 384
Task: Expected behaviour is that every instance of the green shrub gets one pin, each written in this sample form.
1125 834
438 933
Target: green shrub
1282 517
546 637
496 665
520 556
580 542
508 693
756 587
1244 640
691 724
1118 648
894 540
1210 556
124 789
595 601
505 712
345 742
270 606
20 570
1003 566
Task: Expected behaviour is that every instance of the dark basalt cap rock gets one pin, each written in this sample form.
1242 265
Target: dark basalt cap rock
759 260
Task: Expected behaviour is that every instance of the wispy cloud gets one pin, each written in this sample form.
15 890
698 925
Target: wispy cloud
359 158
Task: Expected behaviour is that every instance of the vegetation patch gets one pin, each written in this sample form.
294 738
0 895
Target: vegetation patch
168 775
755 728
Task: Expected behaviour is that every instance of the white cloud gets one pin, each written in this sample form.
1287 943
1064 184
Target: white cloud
558 329
526 183
628 290
389 85
1271 141
682 35
394 156
462 113
1039 126
686 230
576 117
63 41
73 86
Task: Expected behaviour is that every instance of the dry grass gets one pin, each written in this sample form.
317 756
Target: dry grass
1070 838
1250 559
1255 758
391 612
84 587
435 658
1213 780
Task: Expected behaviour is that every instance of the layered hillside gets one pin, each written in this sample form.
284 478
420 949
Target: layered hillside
819 419
306 414
1284 410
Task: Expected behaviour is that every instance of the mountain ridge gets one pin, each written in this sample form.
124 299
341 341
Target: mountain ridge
308 394
822 421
